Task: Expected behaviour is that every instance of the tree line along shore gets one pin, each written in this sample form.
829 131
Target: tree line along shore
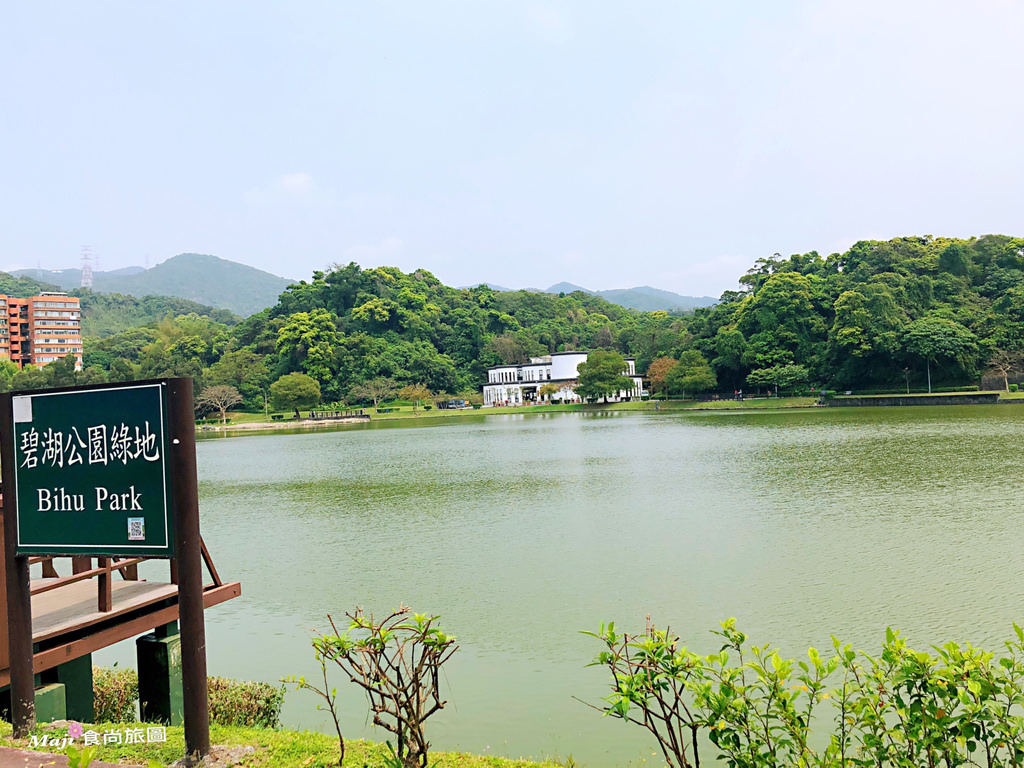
907 314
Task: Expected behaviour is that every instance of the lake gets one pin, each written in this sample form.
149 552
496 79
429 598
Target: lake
521 530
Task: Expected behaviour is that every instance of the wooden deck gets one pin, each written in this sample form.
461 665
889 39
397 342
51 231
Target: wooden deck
66 622
74 607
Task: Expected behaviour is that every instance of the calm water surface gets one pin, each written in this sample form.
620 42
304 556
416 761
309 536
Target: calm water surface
520 530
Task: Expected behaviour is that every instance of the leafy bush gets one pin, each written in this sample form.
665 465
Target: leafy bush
1013 387
115 693
956 706
248 704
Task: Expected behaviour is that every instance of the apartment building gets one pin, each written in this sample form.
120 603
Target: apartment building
40 329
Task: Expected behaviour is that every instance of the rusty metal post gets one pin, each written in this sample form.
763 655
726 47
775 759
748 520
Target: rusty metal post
188 555
19 599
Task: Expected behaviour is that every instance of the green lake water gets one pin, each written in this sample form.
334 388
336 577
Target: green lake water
520 530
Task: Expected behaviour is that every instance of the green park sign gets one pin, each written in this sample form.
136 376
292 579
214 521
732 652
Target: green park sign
91 471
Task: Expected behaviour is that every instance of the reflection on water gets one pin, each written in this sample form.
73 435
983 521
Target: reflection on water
520 530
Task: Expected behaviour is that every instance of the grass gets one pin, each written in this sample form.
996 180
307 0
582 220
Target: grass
274 749
240 417
407 412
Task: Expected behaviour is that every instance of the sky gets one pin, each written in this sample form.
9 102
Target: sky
605 144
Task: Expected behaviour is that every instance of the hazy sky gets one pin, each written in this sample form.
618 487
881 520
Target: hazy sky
607 144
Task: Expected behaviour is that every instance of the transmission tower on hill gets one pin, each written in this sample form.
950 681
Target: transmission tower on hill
86 266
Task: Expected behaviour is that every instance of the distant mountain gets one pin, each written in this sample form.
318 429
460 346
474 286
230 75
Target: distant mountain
649 299
105 314
565 288
492 286
643 297
197 277
23 286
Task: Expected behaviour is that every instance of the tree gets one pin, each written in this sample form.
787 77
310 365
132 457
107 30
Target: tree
548 389
377 390
397 662
955 259
780 321
791 376
92 375
936 338
657 371
121 370
1003 363
29 377
730 347
414 393
691 374
602 375
294 391
8 370
308 340
219 397
61 373
508 349
779 376
761 378
244 370
864 335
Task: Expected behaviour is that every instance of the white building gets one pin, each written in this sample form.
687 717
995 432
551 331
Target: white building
520 384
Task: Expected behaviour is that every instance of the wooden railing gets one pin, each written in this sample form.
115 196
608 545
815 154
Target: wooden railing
82 569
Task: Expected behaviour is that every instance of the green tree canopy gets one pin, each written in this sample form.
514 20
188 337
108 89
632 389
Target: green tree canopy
295 391
602 376
938 340
690 375
779 377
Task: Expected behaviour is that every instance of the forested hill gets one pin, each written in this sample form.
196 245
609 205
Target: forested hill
642 297
104 314
352 325
205 279
880 314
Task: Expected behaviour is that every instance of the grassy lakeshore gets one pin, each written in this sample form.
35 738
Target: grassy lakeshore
251 421
258 421
265 748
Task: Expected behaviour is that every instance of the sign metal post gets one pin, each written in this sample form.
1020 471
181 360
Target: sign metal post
19 602
188 552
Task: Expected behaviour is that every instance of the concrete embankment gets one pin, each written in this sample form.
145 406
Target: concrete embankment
252 426
973 398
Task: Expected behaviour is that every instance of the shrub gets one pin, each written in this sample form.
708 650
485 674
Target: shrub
397 662
1013 387
956 705
248 704
115 693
